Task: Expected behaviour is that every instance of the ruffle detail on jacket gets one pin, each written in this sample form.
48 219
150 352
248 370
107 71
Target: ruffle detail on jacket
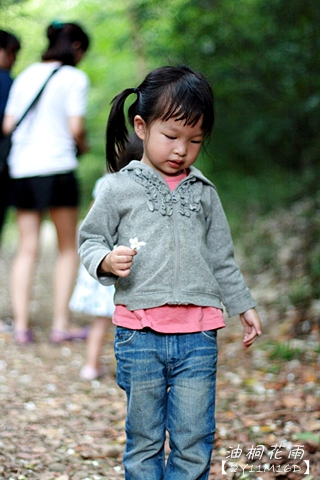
159 197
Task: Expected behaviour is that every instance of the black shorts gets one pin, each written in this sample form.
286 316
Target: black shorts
42 193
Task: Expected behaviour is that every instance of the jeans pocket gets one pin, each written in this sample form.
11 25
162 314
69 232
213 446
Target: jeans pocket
123 336
210 335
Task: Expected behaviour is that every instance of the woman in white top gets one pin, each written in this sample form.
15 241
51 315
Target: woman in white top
42 162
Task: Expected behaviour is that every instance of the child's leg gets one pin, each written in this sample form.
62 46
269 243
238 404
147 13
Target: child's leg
170 382
95 341
191 404
141 372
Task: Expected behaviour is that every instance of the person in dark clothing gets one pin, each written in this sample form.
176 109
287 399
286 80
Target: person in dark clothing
9 47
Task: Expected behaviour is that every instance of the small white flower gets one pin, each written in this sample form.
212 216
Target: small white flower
135 244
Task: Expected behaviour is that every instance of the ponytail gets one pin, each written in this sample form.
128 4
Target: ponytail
117 131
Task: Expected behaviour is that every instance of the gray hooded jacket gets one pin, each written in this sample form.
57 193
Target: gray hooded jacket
188 257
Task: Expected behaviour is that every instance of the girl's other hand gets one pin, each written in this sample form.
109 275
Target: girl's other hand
251 325
118 262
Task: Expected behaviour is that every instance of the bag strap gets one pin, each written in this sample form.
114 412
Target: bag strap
34 101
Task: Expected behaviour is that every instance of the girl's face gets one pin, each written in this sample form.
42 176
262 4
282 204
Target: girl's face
169 146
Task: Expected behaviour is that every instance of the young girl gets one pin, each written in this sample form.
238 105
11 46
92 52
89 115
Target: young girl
169 294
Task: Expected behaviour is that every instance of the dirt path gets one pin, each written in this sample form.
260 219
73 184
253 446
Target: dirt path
54 426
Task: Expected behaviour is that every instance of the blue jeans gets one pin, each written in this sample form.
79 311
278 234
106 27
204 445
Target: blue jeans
170 384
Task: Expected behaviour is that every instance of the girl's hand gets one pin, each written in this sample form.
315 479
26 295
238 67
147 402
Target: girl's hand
251 325
118 262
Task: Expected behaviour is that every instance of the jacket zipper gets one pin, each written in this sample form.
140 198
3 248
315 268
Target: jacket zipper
175 215
176 285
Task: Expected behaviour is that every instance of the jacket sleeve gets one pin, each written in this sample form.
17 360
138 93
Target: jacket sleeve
236 296
98 233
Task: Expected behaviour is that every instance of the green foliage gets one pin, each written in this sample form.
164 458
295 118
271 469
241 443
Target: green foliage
9 3
265 75
261 57
284 351
313 437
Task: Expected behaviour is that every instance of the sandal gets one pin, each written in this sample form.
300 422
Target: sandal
23 337
60 336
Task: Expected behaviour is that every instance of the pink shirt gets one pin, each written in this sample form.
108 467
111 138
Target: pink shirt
170 318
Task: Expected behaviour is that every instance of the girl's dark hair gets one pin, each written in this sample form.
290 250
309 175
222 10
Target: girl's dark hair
166 92
62 37
8 41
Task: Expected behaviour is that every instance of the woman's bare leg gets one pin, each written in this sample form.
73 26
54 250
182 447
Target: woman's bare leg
65 220
23 266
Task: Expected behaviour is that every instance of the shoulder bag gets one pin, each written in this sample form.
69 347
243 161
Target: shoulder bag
6 141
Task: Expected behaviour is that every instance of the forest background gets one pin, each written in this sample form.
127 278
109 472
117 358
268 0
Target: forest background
262 59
